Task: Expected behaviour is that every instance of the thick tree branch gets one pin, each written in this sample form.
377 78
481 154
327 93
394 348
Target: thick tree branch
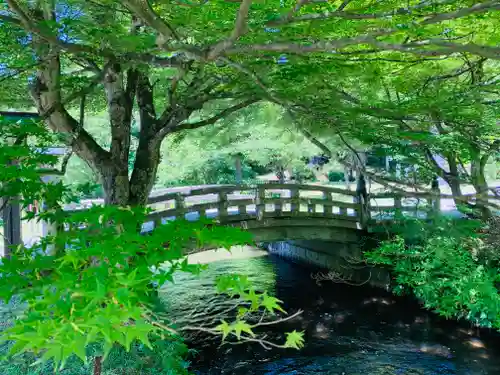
214 119
147 156
339 13
46 93
477 8
145 101
447 48
142 9
240 28
78 49
323 46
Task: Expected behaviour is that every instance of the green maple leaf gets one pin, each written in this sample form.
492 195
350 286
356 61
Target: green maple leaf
142 331
294 340
225 328
253 298
271 303
78 347
242 326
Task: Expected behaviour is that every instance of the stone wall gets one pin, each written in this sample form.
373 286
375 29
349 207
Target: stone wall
343 258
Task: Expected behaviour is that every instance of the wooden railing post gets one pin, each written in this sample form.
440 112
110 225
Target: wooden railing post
327 207
311 208
397 207
278 207
223 204
294 196
260 206
180 206
242 209
202 212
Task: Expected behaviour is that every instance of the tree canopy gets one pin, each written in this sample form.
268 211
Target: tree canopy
169 60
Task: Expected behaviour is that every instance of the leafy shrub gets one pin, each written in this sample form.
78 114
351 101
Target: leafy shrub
302 174
218 170
337 176
449 267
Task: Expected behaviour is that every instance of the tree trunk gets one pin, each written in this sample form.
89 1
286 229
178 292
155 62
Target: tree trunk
452 178
147 157
145 169
116 188
480 184
97 365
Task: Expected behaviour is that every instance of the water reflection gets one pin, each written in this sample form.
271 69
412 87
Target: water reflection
349 330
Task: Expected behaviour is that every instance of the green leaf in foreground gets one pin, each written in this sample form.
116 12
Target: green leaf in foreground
294 340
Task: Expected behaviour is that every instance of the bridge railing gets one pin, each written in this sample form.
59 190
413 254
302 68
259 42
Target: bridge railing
390 205
238 203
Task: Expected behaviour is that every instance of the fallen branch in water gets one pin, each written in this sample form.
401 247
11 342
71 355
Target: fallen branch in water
336 277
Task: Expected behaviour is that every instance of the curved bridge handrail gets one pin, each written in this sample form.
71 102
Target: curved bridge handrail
251 202
237 188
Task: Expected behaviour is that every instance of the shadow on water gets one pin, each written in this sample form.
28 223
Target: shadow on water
349 330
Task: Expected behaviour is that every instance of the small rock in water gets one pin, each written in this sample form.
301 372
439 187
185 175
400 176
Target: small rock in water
327 316
320 328
476 343
321 331
339 318
439 350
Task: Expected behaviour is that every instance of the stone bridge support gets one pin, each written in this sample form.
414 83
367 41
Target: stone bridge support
344 259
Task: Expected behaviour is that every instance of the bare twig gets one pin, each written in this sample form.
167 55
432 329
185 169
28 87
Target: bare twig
289 317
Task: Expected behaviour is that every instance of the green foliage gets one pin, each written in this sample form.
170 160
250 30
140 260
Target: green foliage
449 267
92 287
24 146
215 170
99 286
335 176
260 134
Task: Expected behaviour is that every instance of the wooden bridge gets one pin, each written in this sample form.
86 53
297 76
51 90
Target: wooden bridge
285 211
274 212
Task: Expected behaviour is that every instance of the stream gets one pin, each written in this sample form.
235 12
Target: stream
348 330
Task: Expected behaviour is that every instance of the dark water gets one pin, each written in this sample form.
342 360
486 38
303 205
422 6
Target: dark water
349 330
